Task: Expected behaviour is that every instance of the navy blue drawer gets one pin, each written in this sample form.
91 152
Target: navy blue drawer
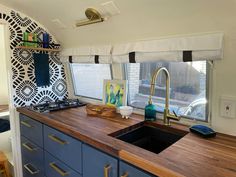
32 159
64 147
56 168
29 170
31 129
98 164
127 170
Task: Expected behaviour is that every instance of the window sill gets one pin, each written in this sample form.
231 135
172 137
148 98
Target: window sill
89 100
183 120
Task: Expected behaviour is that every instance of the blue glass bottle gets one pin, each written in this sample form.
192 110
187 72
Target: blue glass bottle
150 112
45 40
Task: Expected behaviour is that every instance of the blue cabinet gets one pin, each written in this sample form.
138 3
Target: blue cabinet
51 153
31 129
127 170
32 158
56 168
98 164
63 147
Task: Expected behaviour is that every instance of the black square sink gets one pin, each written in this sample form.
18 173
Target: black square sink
154 139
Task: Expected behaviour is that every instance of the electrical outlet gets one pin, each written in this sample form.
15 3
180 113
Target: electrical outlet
227 107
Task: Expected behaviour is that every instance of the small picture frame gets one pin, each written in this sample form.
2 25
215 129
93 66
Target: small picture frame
115 92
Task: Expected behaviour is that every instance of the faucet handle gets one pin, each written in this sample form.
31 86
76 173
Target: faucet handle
173 116
175 113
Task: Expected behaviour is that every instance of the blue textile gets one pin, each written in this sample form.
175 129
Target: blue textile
203 131
41 65
4 125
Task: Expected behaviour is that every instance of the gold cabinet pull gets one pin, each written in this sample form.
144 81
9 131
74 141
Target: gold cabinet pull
58 169
106 170
125 175
30 168
26 124
28 147
58 140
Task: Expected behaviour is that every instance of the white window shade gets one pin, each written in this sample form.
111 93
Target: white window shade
89 55
190 48
88 79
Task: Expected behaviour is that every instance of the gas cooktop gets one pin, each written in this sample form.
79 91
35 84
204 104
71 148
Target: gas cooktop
57 105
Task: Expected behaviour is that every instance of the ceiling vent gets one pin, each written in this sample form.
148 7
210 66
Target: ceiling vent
58 24
110 8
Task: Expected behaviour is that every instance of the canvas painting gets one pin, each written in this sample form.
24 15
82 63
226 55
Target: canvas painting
114 93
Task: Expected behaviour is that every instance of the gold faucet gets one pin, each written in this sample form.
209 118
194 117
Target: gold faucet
167 114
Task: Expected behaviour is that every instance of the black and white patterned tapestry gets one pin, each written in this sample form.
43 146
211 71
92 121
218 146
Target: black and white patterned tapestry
25 90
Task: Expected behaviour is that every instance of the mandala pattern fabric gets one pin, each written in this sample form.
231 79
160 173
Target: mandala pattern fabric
23 79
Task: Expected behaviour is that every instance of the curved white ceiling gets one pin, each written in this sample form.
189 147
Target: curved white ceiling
139 19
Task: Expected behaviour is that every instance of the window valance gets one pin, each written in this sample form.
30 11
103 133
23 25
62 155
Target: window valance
188 48
94 54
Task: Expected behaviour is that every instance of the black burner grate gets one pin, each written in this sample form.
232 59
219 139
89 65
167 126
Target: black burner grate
57 105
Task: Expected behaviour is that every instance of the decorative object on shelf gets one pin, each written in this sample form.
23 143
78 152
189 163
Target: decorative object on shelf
115 93
101 110
45 40
25 38
39 46
30 39
126 111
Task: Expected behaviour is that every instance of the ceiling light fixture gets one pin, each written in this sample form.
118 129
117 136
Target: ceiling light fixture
93 17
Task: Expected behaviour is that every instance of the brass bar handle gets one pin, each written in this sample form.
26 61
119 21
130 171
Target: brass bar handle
26 145
106 170
125 175
58 169
57 139
28 167
26 124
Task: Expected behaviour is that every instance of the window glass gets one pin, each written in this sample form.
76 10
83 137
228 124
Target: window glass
88 79
188 87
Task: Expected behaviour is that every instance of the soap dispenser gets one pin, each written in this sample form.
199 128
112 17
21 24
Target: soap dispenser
150 111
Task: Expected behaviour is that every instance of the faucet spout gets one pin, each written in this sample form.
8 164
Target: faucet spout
167 114
153 83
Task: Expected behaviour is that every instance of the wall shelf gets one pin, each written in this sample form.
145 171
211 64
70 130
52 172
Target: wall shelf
38 48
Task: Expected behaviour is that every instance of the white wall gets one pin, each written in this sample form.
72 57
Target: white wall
3 71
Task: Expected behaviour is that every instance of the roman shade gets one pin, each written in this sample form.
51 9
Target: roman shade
188 48
89 55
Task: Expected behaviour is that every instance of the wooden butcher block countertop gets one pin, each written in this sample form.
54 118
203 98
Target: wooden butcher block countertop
4 108
191 156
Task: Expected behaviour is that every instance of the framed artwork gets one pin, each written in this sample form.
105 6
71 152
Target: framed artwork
115 92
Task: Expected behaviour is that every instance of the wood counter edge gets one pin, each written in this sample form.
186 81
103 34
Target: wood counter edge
147 165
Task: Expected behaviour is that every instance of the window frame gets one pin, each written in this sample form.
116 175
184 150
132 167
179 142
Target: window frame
86 98
184 119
